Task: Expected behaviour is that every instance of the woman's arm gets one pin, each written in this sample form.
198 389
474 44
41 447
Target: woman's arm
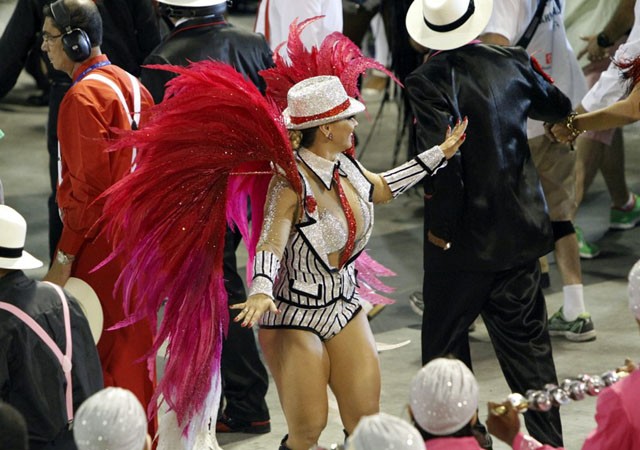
390 184
621 113
280 213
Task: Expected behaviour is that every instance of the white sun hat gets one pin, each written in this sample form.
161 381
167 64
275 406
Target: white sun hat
447 24
318 100
90 304
13 233
444 396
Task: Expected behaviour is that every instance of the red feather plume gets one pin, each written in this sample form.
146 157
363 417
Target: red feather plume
213 136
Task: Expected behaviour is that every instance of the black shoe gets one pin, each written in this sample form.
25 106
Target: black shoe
283 443
226 424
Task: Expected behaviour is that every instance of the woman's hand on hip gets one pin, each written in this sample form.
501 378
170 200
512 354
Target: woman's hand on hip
253 308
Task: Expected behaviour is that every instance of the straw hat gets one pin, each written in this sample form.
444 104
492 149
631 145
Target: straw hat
90 304
13 233
447 24
444 396
318 100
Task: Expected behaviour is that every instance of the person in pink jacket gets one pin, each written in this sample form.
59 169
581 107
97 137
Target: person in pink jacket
617 418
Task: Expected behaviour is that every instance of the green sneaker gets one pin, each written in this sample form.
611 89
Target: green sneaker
587 249
625 220
579 330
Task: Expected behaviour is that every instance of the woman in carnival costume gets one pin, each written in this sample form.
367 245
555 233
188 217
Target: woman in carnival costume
212 143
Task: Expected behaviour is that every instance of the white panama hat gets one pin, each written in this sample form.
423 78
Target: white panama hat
318 100
90 304
13 233
192 3
447 24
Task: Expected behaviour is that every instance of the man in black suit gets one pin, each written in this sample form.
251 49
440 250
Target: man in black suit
486 221
201 32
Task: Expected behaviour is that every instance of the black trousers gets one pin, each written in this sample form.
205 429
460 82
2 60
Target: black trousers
244 377
513 309
56 93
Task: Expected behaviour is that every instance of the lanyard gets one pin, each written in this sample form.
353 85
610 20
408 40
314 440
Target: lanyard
89 69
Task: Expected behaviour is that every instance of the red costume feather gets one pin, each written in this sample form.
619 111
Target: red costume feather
337 56
213 136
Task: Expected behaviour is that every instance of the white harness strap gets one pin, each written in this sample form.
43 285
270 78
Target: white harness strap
63 359
134 119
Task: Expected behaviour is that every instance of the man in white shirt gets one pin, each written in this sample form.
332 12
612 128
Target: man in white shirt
555 162
275 16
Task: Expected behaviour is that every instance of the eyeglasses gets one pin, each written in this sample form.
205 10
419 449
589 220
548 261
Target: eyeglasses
46 37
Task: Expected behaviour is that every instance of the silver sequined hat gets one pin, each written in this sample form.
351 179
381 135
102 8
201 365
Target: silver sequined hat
634 290
444 396
318 100
111 419
384 432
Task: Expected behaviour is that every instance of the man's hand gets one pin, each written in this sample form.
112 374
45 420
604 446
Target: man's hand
561 133
593 51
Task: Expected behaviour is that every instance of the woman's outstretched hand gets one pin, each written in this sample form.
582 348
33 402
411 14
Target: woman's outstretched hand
454 138
253 308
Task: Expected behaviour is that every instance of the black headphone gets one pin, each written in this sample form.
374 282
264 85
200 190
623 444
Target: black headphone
75 42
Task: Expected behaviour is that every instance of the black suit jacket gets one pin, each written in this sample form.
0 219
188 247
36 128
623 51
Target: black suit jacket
207 38
31 378
488 201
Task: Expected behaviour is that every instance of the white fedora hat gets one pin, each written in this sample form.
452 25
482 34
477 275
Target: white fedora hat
13 233
192 3
90 304
318 100
447 24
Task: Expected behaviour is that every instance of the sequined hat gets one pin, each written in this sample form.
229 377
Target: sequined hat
634 290
110 419
447 24
318 100
13 233
384 432
444 396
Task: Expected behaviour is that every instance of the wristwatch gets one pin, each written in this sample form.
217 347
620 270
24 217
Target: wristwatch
603 40
63 258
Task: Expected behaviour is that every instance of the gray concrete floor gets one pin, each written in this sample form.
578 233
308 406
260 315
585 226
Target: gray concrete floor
397 244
